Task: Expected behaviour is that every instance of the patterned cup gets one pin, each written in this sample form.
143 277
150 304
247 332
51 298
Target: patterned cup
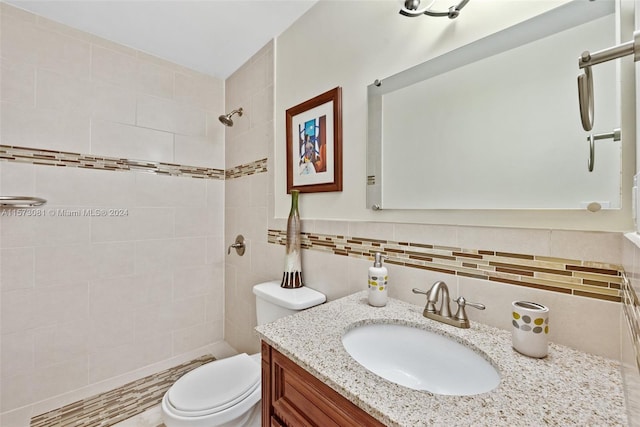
530 333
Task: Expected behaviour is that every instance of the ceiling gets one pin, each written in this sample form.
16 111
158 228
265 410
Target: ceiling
212 36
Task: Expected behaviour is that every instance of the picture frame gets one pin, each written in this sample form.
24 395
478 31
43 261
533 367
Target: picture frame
314 144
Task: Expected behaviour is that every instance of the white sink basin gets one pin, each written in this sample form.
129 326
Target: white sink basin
420 359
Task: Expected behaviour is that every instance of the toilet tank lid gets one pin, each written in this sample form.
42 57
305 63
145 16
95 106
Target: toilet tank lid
293 299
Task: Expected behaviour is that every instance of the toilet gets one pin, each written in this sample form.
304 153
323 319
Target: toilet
227 392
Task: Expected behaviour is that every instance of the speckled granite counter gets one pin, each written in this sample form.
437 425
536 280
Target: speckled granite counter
568 387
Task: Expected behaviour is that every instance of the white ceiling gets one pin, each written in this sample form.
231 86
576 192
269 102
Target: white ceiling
212 36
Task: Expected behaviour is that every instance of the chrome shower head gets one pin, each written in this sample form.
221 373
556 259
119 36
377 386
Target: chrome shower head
226 119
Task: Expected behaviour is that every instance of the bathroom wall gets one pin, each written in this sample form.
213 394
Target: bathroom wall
120 274
336 226
369 40
248 194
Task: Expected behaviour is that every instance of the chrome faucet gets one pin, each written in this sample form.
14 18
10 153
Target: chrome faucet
460 319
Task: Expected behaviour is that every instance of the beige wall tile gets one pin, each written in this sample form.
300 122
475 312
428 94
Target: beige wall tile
81 187
115 295
17 178
199 151
57 344
49 129
63 264
67 55
187 312
169 116
8 10
19 417
191 222
17 391
192 281
112 259
188 339
111 362
371 230
111 329
444 235
250 145
325 273
113 103
16 268
190 121
132 142
151 319
24 309
56 379
189 90
58 227
16 232
516 240
138 224
154 79
17 353
114 67
163 191
17 83
19 39
588 246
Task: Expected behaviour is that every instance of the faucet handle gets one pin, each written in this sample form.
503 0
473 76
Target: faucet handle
461 314
419 291
462 302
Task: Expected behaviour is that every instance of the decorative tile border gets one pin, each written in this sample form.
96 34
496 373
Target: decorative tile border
76 160
631 309
247 169
112 407
573 277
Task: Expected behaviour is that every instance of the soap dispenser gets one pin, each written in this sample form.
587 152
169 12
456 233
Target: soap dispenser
378 282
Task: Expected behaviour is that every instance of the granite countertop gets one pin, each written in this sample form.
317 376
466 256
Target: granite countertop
568 387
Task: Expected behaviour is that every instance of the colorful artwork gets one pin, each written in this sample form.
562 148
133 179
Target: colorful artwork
314 144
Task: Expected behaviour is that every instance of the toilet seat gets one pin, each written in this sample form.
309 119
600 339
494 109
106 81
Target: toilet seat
215 387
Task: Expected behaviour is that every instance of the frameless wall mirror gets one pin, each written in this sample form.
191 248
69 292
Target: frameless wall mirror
495 124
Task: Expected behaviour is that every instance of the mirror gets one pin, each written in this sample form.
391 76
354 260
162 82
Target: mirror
495 124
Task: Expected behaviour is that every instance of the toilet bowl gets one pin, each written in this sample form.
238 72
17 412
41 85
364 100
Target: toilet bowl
227 392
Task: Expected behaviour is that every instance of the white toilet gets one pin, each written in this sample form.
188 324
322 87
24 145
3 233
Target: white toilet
227 392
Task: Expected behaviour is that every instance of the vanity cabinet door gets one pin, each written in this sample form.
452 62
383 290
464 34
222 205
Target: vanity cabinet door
293 397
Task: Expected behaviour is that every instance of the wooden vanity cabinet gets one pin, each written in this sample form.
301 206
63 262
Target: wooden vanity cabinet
292 397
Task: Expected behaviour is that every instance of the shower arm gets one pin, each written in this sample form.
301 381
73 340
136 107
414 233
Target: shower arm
585 81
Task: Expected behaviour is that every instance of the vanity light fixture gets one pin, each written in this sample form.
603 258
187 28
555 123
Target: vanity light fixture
411 9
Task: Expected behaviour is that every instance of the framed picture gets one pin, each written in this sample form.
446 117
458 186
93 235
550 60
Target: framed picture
314 144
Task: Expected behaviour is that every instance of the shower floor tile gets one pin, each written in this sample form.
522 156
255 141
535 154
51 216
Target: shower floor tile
115 406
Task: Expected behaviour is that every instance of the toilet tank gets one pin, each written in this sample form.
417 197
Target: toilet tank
274 302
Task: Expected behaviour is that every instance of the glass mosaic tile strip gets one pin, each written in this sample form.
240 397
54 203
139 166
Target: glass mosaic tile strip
114 406
573 277
247 169
631 309
76 160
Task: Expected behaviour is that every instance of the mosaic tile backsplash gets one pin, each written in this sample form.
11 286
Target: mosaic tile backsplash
109 408
574 277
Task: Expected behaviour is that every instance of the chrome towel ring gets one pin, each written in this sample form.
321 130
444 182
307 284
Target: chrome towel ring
21 202
585 81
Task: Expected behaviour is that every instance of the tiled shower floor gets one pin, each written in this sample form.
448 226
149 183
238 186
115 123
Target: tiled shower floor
137 399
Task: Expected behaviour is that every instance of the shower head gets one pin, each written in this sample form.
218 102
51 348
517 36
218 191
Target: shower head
226 119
